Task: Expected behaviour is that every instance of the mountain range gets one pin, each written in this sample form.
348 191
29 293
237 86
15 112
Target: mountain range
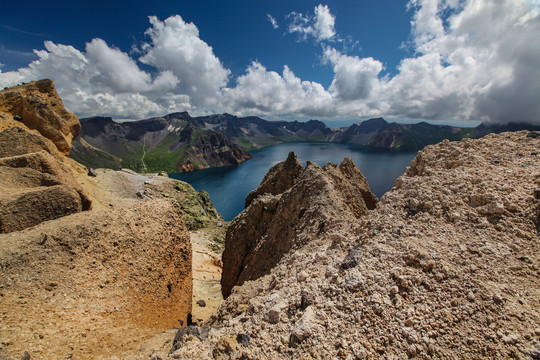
179 142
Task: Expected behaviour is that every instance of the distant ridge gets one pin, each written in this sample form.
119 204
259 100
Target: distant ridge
179 142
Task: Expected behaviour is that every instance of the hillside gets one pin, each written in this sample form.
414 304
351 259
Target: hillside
179 142
446 266
171 143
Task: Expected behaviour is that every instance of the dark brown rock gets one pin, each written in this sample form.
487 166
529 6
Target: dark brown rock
278 179
292 206
211 149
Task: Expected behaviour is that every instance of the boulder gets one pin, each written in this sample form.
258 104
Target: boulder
41 162
35 188
96 283
38 106
292 205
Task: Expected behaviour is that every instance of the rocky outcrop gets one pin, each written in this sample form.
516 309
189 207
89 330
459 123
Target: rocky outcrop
36 187
83 284
20 141
292 205
448 260
38 106
212 149
278 179
36 184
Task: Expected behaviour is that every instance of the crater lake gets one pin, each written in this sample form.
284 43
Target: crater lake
228 186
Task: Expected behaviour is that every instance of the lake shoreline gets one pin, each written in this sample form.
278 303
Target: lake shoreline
229 185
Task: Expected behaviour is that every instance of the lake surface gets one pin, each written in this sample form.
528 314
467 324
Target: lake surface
228 186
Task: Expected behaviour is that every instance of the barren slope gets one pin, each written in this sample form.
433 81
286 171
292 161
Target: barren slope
446 266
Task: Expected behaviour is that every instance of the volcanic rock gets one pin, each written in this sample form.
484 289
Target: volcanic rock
278 179
19 141
36 184
32 207
292 205
426 272
96 282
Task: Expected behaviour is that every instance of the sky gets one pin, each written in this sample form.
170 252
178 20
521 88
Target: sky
448 61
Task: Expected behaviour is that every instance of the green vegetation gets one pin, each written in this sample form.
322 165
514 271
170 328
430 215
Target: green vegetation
196 205
246 144
161 158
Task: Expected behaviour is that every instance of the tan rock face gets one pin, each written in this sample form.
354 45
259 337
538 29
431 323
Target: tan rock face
76 284
19 141
38 106
292 205
36 184
278 179
34 188
96 283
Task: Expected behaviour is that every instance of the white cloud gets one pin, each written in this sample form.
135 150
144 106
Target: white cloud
320 25
472 60
324 23
103 80
266 92
175 46
273 21
477 63
354 78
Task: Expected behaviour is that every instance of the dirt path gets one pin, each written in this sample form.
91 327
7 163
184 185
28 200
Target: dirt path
206 272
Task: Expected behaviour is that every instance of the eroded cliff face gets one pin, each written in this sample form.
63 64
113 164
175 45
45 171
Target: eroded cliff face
73 283
35 134
292 206
445 267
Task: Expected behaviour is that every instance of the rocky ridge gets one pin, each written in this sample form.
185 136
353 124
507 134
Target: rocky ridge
170 143
446 266
292 205
179 142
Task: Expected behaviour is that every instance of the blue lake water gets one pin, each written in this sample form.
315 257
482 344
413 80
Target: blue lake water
228 186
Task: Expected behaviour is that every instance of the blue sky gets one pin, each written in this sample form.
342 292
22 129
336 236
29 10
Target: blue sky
459 61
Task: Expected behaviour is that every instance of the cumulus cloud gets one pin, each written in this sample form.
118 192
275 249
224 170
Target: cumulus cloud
267 92
175 46
320 25
472 60
475 63
104 80
273 21
354 78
